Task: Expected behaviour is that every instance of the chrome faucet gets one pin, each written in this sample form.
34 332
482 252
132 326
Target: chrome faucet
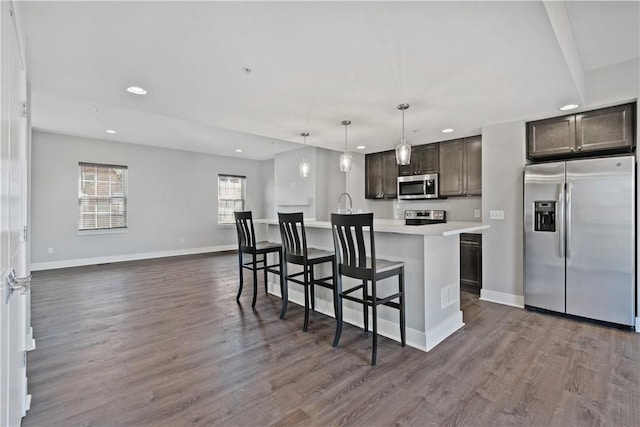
350 210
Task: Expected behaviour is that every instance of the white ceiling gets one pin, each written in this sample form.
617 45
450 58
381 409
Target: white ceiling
462 65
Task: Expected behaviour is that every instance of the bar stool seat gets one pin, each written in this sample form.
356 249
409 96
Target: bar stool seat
294 242
247 245
262 247
355 260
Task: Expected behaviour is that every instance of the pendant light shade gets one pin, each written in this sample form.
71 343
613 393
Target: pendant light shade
345 158
305 166
403 150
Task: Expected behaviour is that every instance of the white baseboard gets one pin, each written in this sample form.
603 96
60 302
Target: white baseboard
30 342
502 298
443 329
37 266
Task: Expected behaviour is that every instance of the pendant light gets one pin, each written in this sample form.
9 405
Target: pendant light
345 158
403 150
305 165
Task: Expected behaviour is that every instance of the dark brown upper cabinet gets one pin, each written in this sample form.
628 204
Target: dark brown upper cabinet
472 169
381 175
461 167
424 160
607 130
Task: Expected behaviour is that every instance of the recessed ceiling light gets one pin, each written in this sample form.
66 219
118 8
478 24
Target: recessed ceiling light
238 150
447 130
111 131
136 90
361 147
569 107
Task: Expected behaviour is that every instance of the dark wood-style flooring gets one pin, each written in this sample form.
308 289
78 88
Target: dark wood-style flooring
163 342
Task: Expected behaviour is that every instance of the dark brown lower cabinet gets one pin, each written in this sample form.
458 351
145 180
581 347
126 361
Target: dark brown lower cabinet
471 262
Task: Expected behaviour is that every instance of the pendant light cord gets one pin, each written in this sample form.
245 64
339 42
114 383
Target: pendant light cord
345 138
403 125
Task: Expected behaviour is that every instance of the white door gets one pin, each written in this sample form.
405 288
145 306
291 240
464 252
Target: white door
13 220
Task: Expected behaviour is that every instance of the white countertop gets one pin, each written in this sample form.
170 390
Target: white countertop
398 226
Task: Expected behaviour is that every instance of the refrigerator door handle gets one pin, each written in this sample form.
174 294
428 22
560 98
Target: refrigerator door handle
568 219
560 219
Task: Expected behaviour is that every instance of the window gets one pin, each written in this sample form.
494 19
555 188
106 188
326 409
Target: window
231 195
102 197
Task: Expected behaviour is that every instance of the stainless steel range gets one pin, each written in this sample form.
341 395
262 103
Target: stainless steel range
422 217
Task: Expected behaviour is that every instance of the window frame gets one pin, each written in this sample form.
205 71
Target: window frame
223 210
85 200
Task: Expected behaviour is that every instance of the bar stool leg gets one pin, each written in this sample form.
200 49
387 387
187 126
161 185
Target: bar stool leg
335 303
313 288
284 289
337 300
241 275
264 260
306 298
374 309
255 282
365 308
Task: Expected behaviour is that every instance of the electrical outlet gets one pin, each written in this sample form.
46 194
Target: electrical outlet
496 214
50 250
476 213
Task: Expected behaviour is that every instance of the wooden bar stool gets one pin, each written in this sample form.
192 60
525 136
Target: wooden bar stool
353 260
247 245
294 242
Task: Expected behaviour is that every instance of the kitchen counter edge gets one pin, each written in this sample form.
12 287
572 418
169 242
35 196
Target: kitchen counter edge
397 226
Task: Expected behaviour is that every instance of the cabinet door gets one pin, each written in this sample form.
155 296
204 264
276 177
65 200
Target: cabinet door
428 158
389 175
373 175
473 165
471 260
551 137
414 165
424 159
451 164
605 129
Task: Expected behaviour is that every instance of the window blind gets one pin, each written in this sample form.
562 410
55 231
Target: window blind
231 197
102 197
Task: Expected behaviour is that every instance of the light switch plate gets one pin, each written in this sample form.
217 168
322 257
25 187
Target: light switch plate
476 213
496 214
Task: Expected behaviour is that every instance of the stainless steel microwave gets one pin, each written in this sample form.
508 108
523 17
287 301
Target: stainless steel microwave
418 187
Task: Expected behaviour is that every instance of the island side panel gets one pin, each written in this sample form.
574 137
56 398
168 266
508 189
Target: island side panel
442 288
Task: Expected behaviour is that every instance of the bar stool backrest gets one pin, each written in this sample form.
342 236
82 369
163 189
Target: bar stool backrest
246 233
293 235
349 242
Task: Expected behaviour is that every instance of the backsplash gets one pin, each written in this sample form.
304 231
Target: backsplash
458 208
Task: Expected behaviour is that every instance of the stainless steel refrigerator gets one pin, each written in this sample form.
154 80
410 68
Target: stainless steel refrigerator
579 238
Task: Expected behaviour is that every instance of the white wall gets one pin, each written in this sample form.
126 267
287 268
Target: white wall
269 194
317 194
172 205
503 160
330 183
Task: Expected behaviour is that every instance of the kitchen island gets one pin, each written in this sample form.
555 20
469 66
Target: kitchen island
431 254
